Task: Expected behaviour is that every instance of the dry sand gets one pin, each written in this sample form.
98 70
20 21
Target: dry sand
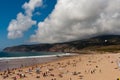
80 67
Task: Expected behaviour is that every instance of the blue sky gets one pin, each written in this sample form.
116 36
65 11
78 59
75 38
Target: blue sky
9 10
54 21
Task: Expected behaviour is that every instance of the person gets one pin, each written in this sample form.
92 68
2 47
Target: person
118 62
37 70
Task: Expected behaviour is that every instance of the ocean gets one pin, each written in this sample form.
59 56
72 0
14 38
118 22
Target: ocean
26 54
16 59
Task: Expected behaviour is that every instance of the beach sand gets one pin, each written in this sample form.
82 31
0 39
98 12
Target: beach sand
79 67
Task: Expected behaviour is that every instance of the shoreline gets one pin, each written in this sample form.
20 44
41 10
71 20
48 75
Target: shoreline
74 67
18 62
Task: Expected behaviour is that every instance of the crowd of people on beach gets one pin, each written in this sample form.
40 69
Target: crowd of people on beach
70 68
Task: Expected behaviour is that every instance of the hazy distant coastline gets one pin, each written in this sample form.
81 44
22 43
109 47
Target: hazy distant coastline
109 43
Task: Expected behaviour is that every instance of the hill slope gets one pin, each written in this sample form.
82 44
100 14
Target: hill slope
99 43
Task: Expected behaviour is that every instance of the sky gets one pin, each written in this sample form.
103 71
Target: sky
9 10
54 21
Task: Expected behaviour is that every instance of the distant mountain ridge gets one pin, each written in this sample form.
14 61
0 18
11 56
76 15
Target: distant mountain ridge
95 43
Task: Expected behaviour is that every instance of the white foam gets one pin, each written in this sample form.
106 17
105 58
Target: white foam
9 58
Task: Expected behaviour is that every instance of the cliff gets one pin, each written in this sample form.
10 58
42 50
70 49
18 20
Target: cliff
100 43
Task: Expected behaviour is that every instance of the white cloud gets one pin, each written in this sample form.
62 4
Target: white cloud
70 20
23 22
78 19
18 26
31 5
37 13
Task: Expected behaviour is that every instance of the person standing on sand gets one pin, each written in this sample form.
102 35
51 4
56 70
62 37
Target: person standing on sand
118 63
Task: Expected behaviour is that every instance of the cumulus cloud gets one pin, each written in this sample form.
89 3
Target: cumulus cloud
31 5
78 19
24 21
18 26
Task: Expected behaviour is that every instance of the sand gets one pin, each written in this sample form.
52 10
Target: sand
80 67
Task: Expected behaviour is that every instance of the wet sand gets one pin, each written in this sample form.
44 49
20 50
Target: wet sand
18 62
80 67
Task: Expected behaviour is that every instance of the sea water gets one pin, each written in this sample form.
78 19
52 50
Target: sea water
26 54
16 59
